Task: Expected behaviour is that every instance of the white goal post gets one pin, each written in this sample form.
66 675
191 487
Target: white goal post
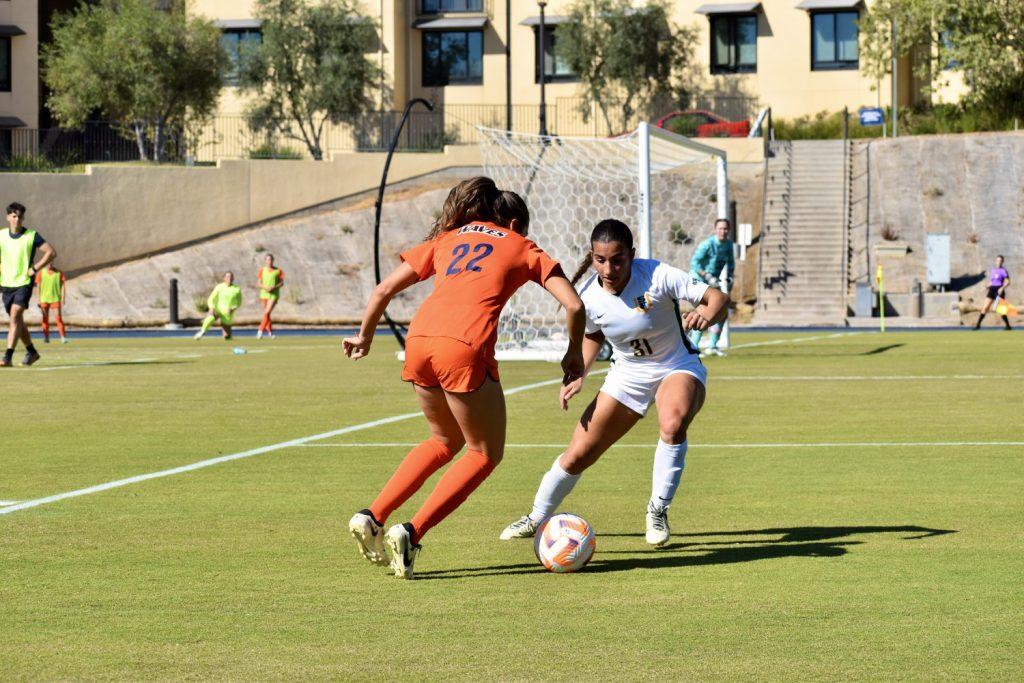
667 188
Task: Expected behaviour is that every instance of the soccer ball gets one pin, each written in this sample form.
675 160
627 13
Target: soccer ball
564 543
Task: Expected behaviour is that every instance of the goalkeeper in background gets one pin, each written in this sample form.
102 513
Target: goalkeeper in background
711 256
224 300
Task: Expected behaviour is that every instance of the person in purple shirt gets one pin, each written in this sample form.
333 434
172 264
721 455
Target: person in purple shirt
998 279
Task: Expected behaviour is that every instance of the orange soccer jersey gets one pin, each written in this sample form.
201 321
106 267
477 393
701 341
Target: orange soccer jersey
476 269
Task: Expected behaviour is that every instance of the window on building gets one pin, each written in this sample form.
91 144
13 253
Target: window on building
733 43
834 43
453 57
237 43
555 68
5 64
438 6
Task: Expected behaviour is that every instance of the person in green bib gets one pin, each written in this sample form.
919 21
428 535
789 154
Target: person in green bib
224 300
269 279
51 297
23 253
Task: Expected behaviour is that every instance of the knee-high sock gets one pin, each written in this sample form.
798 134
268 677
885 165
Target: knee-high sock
270 324
669 461
716 332
1006 321
263 323
454 487
207 321
695 336
60 325
46 324
980 318
421 462
555 485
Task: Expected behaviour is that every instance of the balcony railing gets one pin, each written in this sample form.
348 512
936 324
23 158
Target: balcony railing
231 137
430 7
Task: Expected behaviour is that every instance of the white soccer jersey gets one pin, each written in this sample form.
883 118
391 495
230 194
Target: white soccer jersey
641 323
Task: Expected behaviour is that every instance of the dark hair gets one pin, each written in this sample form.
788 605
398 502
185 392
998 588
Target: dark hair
723 220
510 206
471 200
15 206
1000 256
608 230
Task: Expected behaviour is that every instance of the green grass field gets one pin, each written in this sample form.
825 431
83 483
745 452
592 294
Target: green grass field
826 528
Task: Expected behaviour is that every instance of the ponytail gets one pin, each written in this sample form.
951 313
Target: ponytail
588 260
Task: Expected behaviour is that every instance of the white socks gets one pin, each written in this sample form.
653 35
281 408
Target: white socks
669 462
554 487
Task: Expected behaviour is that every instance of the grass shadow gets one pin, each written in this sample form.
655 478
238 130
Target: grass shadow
810 541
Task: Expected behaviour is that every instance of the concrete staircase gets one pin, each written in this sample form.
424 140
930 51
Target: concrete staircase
803 246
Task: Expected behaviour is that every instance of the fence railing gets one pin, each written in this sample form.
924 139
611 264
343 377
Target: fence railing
229 136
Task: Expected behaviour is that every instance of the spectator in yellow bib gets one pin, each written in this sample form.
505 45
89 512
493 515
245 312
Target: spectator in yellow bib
52 286
23 253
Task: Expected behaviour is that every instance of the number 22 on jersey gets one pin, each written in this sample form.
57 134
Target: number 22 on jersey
483 250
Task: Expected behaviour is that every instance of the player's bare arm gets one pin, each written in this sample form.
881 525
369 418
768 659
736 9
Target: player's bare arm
576 320
713 309
591 348
46 255
400 278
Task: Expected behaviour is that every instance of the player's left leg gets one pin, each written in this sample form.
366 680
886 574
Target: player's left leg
716 333
271 304
44 310
60 324
678 400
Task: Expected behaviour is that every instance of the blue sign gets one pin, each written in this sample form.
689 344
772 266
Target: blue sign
872 116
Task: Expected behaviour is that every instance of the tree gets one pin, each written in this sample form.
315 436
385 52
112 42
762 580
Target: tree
625 56
149 70
311 68
981 38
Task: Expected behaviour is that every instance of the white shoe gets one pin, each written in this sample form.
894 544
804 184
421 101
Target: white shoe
198 335
63 340
259 334
369 537
270 335
524 527
718 352
658 531
704 354
403 551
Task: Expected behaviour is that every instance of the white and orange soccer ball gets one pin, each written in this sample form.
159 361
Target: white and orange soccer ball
564 543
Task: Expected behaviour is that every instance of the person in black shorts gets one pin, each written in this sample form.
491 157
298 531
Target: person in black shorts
19 248
998 280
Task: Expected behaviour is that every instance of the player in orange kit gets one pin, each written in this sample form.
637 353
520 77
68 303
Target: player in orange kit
477 265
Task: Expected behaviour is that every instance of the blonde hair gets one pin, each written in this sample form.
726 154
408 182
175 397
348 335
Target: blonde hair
471 200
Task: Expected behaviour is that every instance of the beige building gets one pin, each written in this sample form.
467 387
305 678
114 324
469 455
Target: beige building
478 60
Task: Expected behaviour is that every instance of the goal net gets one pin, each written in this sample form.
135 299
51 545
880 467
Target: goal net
667 188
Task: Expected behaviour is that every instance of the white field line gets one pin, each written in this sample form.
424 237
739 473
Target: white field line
238 456
4 503
95 364
776 342
842 378
98 488
825 444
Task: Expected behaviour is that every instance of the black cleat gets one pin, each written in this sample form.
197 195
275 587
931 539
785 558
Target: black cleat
30 358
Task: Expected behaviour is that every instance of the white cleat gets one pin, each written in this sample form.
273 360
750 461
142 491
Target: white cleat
63 340
369 537
403 551
524 527
658 531
259 334
198 335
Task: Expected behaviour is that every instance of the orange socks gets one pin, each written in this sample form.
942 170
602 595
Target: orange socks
421 462
451 491
60 326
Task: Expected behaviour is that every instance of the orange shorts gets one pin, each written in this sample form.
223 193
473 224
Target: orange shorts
448 363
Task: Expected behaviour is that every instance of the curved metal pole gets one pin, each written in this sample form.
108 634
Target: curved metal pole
379 204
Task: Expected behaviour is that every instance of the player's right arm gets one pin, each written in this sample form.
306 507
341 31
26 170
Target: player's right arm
400 278
573 364
697 260
592 343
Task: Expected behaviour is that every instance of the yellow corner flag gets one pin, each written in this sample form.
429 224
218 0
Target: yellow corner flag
881 298
1004 307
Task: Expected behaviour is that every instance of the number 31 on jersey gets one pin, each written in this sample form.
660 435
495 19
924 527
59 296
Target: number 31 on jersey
641 347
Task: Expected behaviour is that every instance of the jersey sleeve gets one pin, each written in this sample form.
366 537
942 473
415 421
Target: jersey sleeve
591 327
679 284
421 258
539 264
38 241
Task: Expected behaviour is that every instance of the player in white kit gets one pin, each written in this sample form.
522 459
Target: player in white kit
632 303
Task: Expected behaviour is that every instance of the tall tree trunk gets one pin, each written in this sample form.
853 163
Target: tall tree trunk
140 139
158 142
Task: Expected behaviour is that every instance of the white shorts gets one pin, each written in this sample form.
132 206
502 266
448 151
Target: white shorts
635 386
